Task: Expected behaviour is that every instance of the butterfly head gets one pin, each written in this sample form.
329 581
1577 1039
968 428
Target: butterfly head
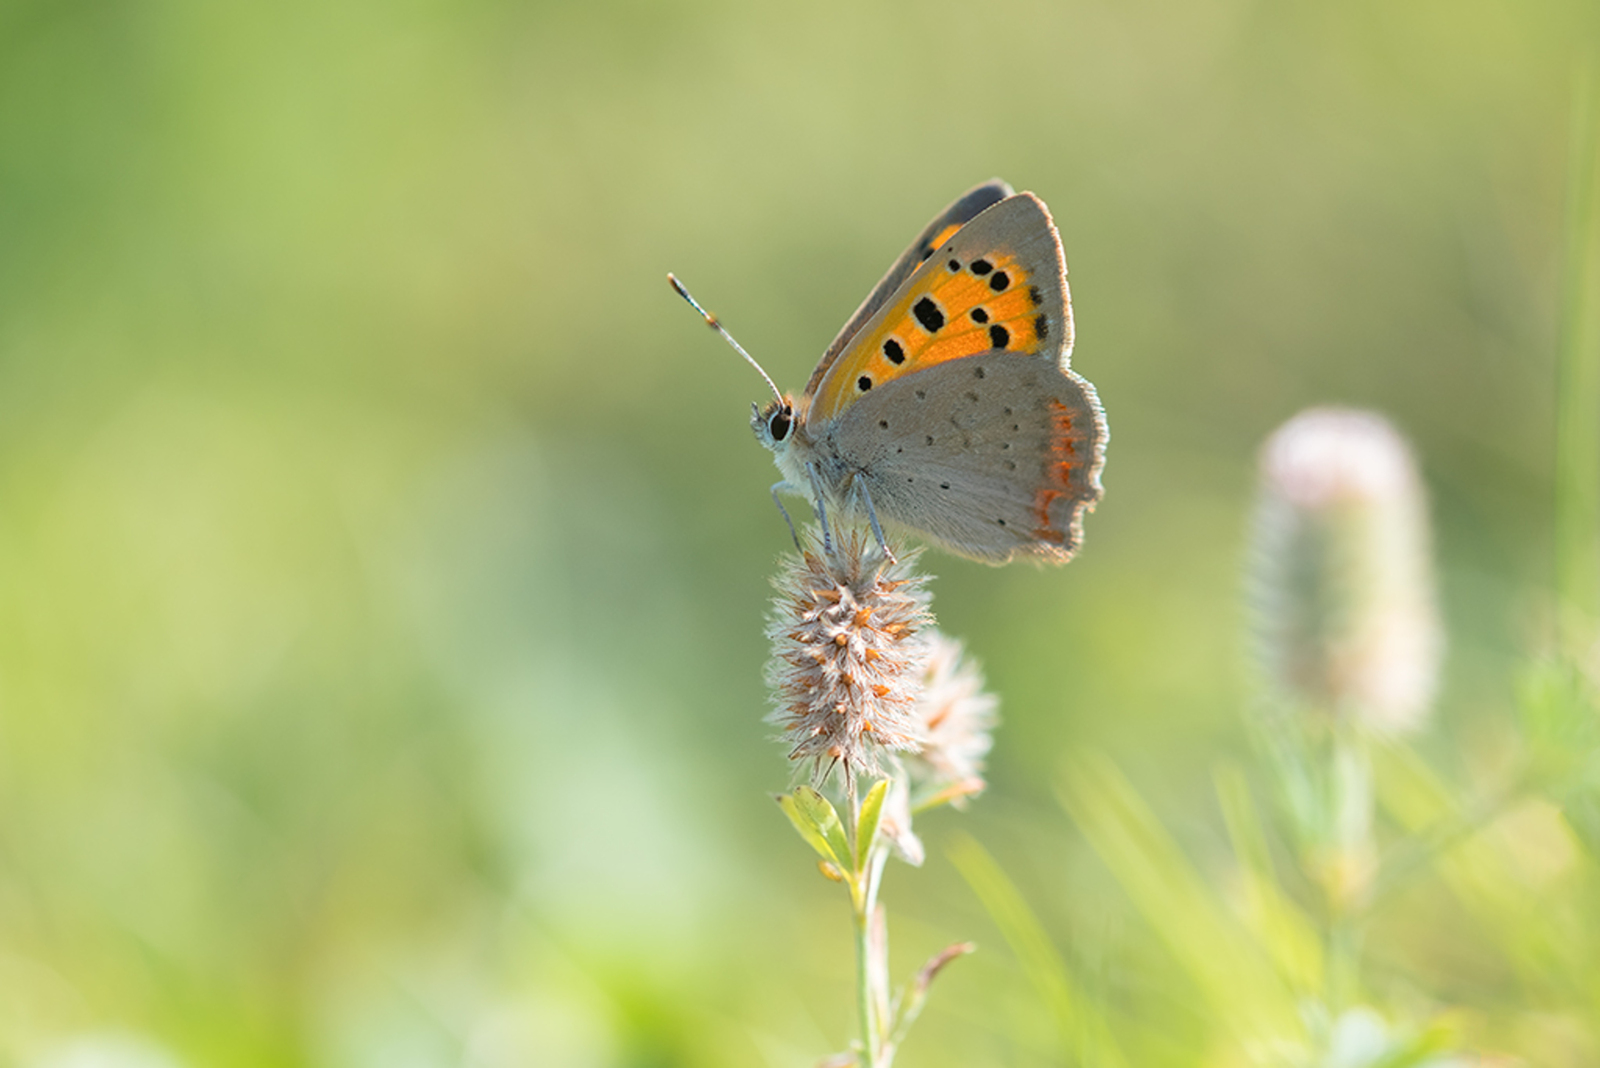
776 424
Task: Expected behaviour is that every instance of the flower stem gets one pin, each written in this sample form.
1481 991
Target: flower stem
1577 505
869 1030
863 895
1350 885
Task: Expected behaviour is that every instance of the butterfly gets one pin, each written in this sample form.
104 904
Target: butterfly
947 404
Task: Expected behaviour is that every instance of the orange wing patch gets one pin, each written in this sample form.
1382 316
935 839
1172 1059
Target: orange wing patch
958 308
941 237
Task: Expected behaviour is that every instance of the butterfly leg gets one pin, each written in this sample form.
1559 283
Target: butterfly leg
872 517
776 486
821 509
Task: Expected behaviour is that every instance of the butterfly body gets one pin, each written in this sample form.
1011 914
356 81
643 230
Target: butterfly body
947 404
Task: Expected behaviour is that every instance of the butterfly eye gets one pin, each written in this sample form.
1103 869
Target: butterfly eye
778 425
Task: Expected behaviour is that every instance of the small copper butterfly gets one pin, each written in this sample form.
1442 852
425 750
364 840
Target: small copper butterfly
947 404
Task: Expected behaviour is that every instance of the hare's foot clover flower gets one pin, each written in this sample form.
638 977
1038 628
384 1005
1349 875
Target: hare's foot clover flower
957 717
862 683
1347 636
849 654
1342 580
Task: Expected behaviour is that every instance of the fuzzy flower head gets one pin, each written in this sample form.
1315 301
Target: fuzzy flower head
957 716
1342 582
848 653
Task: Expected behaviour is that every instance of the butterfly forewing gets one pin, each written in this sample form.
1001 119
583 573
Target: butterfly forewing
996 284
965 208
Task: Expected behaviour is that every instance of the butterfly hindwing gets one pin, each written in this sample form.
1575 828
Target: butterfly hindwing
993 457
963 210
996 284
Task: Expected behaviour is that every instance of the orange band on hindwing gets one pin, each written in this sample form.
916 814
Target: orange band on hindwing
1058 466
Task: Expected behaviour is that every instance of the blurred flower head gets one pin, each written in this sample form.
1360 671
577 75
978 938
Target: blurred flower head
896 823
849 653
1341 576
957 716
1361 1038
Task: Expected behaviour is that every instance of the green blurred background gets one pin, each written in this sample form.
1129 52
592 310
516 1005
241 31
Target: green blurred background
383 548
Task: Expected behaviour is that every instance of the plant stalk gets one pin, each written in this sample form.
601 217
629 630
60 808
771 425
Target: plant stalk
1350 888
863 893
1577 492
869 1030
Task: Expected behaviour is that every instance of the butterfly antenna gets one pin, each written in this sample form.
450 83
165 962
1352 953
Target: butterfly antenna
714 323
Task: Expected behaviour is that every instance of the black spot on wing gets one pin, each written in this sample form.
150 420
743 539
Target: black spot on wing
929 314
999 281
1041 326
999 336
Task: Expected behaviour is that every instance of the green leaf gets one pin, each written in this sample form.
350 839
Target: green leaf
1558 710
1083 1030
1558 713
867 825
1470 848
814 817
1287 934
1220 957
1581 810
